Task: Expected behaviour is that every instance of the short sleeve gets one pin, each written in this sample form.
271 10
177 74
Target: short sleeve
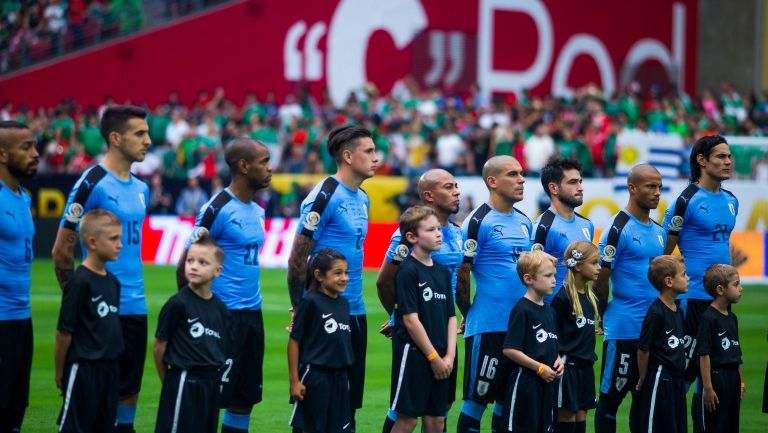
72 299
406 291
471 245
560 308
609 247
652 325
704 337
170 316
515 338
313 221
302 319
397 250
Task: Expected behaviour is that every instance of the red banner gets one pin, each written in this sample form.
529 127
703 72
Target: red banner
271 46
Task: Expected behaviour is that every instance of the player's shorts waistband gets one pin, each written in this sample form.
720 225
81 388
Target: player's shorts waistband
578 363
328 370
726 367
670 371
204 373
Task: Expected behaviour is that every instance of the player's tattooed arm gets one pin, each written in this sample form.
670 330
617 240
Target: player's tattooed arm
601 288
181 278
297 267
462 288
671 243
385 285
64 255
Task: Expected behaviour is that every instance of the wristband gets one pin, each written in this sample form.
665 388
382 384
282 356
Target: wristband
431 357
540 371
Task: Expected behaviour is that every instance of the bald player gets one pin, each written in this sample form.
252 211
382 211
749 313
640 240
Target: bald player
438 190
236 223
627 247
18 161
496 233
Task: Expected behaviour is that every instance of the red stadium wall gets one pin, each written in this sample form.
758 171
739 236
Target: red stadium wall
270 46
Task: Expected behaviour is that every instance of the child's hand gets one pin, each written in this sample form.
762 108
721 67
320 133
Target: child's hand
462 326
710 399
385 329
449 362
440 369
57 379
298 390
289 328
639 386
559 367
742 390
548 375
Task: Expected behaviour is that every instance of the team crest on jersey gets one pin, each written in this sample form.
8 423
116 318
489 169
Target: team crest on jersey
725 343
470 247
732 208
75 212
609 253
661 240
525 231
537 247
676 224
401 252
141 200
621 382
586 233
311 221
482 387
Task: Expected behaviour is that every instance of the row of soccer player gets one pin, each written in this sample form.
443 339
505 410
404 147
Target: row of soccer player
335 215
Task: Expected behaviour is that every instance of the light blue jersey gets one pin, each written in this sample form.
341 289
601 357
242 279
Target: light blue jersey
494 242
627 247
238 228
703 220
337 217
97 188
17 230
553 233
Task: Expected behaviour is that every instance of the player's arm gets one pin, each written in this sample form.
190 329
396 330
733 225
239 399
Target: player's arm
742 384
181 277
450 354
518 356
709 395
297 389
601 288
61 347
385 285
158 353
642 367
418 334
669 248
297 267
64 255
463 288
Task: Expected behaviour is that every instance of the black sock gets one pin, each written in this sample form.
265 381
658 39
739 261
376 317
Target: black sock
605 414
581 427
388 424
565 427
636 414
125 428
467 424
496 424
228 429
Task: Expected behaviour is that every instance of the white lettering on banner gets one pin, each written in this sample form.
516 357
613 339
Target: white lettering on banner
353 23
174 235
309 66
440 57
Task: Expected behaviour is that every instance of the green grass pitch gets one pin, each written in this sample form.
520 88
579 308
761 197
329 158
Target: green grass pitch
273 413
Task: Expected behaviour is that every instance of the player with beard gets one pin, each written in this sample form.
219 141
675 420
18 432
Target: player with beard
18 160
560 225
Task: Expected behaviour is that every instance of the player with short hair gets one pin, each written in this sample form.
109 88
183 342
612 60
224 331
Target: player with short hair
236 224
111 186
719 352
88 336
560 225
496 233
335 215
627 246
190 346
440 192
18 161
660 350
700 223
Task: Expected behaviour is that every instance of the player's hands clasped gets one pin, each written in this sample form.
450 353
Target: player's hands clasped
298 390
559 367
440 368
548 375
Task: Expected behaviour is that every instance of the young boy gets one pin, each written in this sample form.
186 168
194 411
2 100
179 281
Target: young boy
88 336
531 345
189 347
720 354
661 350
424 337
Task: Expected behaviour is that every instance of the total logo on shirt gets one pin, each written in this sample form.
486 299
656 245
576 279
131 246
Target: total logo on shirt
726 342
102 308
428 294
672 341
197 329
331 325
581 321
543 335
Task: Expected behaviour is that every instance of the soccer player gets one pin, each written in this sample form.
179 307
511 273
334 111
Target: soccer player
440 192
496 233
335 215
18 161
719 353
111 186
190 346
627 246
560 225
424 340
531 345
236 224
700 222
88 335
660 350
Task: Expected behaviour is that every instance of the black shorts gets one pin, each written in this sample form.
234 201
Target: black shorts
90 397
189 402
132 359
414 391
618 374
727 385
485 368
243 379
356 372
325 408
453 378
693 309
528 403
575 391
663 401
15 363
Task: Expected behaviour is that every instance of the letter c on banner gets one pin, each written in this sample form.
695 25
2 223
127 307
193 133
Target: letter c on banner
353 23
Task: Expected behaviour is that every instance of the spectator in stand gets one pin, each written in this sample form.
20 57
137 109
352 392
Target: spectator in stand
160 200
539 147
452 152
55 16
177 129
191 199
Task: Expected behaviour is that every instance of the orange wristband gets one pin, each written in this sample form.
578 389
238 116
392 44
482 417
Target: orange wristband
540 371
431 357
